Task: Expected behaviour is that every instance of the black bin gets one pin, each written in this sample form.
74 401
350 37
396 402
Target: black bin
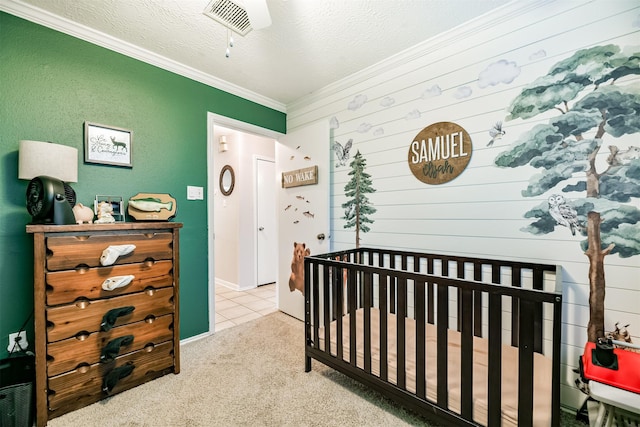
17 375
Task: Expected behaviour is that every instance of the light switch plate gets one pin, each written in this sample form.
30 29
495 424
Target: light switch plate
195 193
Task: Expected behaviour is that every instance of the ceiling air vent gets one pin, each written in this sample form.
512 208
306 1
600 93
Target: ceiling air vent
229 14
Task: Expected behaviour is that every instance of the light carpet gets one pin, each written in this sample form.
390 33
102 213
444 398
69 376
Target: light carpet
248 375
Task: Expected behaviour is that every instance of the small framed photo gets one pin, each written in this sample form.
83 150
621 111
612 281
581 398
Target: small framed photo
112 205
107 145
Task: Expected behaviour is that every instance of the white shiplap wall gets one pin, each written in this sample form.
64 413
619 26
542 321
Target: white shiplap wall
480 213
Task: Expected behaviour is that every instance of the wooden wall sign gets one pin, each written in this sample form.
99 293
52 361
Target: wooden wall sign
439 153
299 177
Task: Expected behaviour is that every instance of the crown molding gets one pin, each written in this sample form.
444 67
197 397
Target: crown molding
471 28
55 22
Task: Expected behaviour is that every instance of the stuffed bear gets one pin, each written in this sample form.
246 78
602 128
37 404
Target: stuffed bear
296 280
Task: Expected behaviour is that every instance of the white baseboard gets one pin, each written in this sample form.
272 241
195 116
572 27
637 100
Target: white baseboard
195 338
234 286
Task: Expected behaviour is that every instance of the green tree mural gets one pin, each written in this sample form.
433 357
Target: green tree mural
594 98
358 208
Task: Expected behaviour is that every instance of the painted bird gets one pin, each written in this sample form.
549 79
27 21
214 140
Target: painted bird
563 213
496 132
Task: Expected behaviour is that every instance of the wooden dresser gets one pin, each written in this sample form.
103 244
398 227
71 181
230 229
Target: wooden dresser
91 342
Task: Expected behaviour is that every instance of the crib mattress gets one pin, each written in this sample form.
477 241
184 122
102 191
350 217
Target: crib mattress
542 376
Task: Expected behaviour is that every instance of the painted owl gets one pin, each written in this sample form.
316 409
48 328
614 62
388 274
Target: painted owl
563 213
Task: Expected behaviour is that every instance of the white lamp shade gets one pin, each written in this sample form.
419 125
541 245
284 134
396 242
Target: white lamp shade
38 158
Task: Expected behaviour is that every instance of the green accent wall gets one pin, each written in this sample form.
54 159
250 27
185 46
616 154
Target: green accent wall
50 84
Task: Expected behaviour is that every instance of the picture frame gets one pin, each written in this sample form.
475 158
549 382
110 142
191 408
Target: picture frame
116 202
108 145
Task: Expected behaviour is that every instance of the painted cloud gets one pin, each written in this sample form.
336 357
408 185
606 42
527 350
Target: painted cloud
387 101
538 55
431 92
502 71
358 101
463 92
334 123
415 114
364 127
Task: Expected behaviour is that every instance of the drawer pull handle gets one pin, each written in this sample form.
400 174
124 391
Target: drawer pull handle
116 282
109 319
111 254
111 379
82 303
83 335
112 349
82 268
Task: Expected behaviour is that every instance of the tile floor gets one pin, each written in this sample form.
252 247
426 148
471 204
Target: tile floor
236 307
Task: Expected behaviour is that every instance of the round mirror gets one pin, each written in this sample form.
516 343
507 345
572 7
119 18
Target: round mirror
227 180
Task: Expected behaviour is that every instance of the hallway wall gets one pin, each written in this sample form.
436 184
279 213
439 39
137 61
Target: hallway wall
234 214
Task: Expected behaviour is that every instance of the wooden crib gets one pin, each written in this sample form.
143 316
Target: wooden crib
471 341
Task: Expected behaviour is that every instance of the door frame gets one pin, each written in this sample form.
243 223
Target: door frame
257 158
214 120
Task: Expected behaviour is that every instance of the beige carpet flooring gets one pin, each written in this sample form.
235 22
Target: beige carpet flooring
248 375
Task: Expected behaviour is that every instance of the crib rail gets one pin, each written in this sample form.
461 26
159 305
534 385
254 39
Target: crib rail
516 303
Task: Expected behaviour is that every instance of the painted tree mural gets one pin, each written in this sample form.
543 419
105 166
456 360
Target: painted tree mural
586 100
358 208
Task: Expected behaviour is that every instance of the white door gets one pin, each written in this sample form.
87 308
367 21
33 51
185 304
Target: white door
303 211
267 237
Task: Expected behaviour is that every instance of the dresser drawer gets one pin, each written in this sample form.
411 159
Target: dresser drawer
66 286
71 251
85 316
69 354
85 384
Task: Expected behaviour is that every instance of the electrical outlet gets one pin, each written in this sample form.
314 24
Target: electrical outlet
17 341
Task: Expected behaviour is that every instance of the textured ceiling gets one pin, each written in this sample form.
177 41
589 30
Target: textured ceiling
310 44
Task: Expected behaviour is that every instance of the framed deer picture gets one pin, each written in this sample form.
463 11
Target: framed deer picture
107 145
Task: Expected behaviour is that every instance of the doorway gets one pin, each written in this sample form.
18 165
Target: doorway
267 233
232 218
